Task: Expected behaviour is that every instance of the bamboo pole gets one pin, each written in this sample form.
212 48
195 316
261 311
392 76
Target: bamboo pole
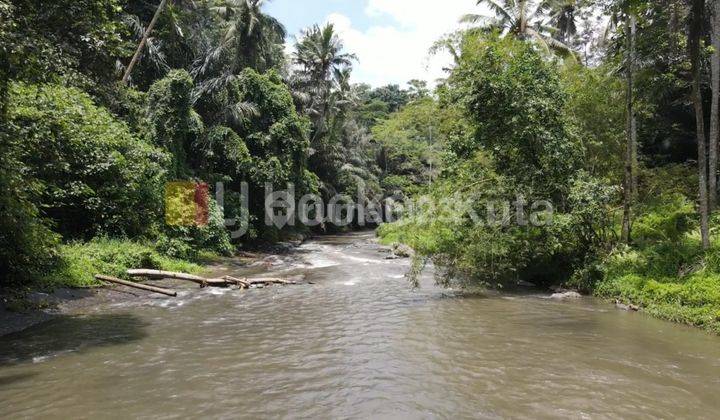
136 285
143 41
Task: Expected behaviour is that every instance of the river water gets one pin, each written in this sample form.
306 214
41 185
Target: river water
357 343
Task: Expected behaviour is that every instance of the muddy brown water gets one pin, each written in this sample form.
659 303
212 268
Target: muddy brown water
358 343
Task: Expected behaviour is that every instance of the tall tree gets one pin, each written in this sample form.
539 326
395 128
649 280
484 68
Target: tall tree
525 20
630 183
714 140
5 26
563 15
697 12
320 58
253 38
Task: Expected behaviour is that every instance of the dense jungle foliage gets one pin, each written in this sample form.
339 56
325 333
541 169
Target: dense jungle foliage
573 143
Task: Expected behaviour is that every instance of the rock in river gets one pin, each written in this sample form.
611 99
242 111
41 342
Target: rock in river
403 251
566 296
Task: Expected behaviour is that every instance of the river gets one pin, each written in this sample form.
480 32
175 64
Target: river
357 343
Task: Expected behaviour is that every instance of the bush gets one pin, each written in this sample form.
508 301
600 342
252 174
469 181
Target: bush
27 245
666 272
175 125
189 242
79 262
96 176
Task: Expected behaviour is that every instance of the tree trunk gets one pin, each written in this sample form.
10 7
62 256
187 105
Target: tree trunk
4 79
143 41
694 41
714 140
136 285
630 183
633 113
157 274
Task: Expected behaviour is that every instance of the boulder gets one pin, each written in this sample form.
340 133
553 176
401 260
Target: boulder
523 283
624 307
403 251
566 296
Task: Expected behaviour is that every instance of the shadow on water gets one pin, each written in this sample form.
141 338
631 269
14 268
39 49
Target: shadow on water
11 379
69 334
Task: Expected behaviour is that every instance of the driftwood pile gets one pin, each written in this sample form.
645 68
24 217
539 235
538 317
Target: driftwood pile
226 281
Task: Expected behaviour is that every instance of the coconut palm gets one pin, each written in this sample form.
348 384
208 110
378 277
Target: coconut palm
323 80
523 19
320 59
164 49
563 15
319 53
252 38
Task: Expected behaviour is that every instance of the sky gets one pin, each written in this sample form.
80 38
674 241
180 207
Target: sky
390 37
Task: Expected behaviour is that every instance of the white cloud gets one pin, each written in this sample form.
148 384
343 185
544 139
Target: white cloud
398 53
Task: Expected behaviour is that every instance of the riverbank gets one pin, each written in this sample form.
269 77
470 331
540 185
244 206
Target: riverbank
22 311
73 290
356 338
693 301
691 298
664 273
70 287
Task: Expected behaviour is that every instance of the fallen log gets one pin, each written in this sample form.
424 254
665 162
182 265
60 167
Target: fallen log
158 274
270 281
240 282
204 282
136 285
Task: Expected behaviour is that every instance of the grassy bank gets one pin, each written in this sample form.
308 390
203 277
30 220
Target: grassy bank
674 281
665 271
693 301
79 262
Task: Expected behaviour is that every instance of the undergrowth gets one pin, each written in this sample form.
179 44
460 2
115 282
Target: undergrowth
79 262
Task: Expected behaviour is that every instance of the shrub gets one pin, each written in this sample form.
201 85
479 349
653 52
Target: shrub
175 125
666 218
27 245
188 242
96 176
666 271
79 262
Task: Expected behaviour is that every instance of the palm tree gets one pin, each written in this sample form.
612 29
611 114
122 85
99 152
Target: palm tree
625 16
523 19
253 38
630 166
322 66
563 15
323 78
319 53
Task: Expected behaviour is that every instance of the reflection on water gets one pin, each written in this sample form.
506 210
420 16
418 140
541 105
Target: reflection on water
77 334
358 343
